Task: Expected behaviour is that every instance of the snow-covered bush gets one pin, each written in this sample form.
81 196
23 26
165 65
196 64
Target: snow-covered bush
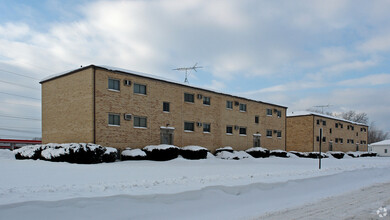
110 155
227 148
299 154
315 155
369 154
161 152
337 154
29 152
133 154
258 152
235 155
73 153
278 153
193 152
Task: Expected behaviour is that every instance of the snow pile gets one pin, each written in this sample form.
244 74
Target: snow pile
194 152
300 154
6 154
235 155
161 152
84 153
133 154
227 148
258 152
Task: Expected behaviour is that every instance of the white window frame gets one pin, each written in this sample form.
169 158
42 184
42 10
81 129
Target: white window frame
137 85
115 80
139 121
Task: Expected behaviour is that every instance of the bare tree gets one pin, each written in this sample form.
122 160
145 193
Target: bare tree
375 135
353 116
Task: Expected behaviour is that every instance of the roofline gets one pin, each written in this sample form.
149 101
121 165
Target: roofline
333 118
161 80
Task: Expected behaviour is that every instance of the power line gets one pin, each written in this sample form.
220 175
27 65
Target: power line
20 130
12 103
6 71
19 95
17 84
19 117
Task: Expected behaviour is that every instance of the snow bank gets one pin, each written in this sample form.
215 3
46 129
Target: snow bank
235 155
6 154
133 154
194 148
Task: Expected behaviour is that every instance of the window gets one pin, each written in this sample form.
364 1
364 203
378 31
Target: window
341 140
188 97
165 106
269 133
353 128
318 121
243 107
257 119
357 134
385 151
229 104
114 119
279 114
279 134
206 127
113 84
269 112
324 123
206 100
336 125
139 89
337 140
330 130
188 126
229 129
140 122
323 139
341 125
242 130
352 141
318 138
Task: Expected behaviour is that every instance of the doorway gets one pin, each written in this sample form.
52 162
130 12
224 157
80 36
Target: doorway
166 135
256 140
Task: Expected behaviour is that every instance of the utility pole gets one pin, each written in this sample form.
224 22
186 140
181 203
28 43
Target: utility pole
319 155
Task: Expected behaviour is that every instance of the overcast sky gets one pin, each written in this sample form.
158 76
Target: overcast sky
293 53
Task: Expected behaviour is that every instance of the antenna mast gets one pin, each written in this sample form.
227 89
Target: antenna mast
186 70
322 107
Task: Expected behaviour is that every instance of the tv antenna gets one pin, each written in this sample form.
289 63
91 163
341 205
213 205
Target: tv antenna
322 107
186 69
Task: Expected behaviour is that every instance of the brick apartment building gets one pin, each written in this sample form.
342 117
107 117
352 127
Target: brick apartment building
122 108
303 133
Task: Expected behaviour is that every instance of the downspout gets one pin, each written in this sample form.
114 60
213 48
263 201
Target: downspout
312 122
94 103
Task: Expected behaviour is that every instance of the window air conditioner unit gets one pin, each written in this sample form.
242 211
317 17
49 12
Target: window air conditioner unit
200 96
127 82
236 103
236 127
127 117
199 124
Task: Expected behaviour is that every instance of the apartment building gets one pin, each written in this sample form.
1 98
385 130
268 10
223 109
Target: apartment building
122 108
303 133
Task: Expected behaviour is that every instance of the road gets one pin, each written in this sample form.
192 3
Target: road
359 204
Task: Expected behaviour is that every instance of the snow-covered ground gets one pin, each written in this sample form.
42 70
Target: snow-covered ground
177 189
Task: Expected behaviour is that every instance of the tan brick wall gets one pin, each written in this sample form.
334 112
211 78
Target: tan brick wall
299 134
67 108
302 134
150 106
